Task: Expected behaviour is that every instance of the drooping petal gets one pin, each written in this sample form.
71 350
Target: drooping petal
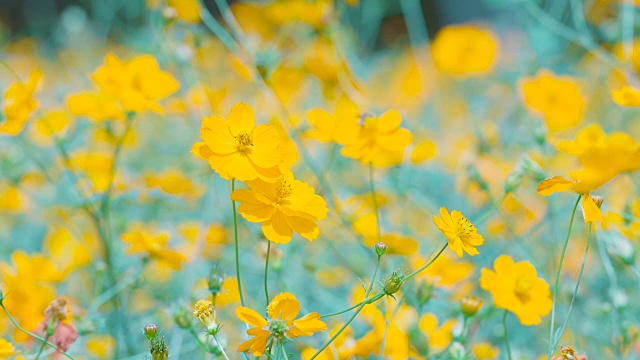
590 211
554 185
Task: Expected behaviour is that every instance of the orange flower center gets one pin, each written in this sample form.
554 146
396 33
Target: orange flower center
523 288
284 191
464 228
244 139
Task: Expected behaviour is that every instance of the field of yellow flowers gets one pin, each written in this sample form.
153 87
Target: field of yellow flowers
326 179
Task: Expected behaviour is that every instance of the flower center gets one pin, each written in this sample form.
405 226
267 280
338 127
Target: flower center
523 288
244 139
464 227
284 191
278 329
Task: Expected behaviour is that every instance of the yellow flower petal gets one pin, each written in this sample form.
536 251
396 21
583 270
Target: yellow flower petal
554 185
590 211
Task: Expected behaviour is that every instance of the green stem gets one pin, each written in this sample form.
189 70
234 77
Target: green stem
575 290
354 306
427 264
44 343
235 234
552 341
15 323
203 345
506 338
220 347
284 351
366 295
266 272
375 200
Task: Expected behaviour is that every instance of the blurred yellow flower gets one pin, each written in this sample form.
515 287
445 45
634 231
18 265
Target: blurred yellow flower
557 98
380 141
101 346
18 103
341 127
342 346
626 96
485 351
96 167
187 10
11 199
6 349
138 84
517 288
174 182
423 151
283 208
459 231
153 246
282 311
439 337
237 149
443 271
96 106
590 210
51 125
465 50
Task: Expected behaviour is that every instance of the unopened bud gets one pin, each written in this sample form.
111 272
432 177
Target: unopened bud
394 282
470 305
457 351
158 349
214 281
380 248
513 181
170 13
533 169
474 175
424 293
151 331
597 199
182 317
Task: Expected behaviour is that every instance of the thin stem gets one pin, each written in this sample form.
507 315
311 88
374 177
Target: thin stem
220 347
375 200
506 338
284 351
366 295
44 343
15 323
348 309
11 70
266 272
575 291
235 234
552 341
427 264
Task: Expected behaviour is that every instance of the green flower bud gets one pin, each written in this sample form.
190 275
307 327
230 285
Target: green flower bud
380 248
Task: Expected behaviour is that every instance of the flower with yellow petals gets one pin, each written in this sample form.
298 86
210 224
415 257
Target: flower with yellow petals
485 351
459 231
237 149
283 207
465 50
155 246
517 288
6 349
280 326
138 84
380 140
204 311
626 96
556 98
98 107
341 127
18 104
590 209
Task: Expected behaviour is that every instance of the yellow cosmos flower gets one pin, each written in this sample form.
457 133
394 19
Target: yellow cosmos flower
626 96
341 127
465 50
237 149
485 351
590 210
460 232
439 337
138 84
283 208
281 324
18 103
556 98
142 241
517 288
98 107
381 141
6 349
